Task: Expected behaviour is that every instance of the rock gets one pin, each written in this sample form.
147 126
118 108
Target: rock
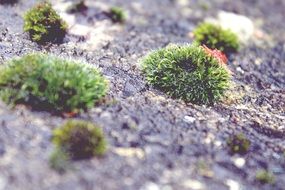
239 162
130 152
150 186
233 185
189 119
193 184
241 25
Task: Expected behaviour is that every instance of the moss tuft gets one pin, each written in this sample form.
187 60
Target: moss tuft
264 176
50 83
187 72
44 24
238 144
215 37
117 14
80 139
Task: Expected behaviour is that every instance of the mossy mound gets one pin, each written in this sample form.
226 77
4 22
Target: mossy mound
50 83
117 14
238 144
265 177
44 24
215 37
80 139
187 72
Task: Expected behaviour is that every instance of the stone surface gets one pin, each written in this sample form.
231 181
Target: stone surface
151 143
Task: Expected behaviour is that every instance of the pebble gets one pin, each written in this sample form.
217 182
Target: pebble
233 185
189 119
239 69
130 152
239 162
150 186
193 184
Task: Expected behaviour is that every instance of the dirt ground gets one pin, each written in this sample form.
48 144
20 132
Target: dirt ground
155 142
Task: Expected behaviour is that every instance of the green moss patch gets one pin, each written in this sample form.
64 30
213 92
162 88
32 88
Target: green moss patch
50 83
44 24
187 72
117 14
264 176
215 37
80 139
238 144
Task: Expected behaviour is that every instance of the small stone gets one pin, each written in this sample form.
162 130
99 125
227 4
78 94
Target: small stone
189 119
217 143
233 185
150 186
193 184
239 162
130 152
239 69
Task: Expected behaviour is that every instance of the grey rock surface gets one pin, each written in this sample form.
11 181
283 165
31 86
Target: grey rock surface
155 142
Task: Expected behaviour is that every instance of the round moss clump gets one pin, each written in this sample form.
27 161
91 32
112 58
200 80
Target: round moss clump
264 176
80 139
117 14
44 24
215 37
187 72
50 83
238 144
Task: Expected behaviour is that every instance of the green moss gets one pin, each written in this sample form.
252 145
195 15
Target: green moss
215 37
80 139
264 176
44 24
117 14
187 72
50 83
238 144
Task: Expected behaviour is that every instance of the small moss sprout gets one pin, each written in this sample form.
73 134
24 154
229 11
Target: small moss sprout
80 139
238 144
265 177
117 14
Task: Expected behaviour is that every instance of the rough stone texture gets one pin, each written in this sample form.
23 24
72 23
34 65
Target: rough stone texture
154 142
